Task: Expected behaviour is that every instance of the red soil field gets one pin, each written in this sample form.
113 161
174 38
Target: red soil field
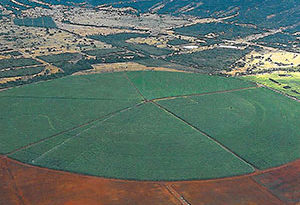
25 184
284 182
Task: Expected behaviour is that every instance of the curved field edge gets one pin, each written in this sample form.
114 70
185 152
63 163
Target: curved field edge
163 85
220 179
51 186
144 143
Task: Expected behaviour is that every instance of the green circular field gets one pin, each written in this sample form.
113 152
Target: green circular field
149 126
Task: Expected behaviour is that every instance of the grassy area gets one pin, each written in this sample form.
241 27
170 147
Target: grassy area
145 143
286 82
162 84
259 125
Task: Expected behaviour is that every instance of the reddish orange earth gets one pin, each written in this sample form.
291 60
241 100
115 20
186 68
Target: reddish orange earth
25 184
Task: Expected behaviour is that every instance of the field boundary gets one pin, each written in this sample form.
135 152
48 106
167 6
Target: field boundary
133 85
280 92
172 190
200 94
62 98
237 177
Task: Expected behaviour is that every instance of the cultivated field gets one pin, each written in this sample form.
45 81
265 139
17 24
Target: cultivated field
149 125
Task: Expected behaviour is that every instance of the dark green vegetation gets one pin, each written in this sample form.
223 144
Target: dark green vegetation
21 71
119 40
223 58
104 52
177 41
224 31
100 125
44 21
19 62
69 62
11 53
283 41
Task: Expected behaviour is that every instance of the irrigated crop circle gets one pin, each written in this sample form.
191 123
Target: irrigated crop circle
150 125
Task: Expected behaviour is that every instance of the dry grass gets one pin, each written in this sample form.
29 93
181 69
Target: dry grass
118 67
258 61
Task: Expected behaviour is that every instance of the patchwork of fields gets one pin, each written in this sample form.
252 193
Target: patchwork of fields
150 126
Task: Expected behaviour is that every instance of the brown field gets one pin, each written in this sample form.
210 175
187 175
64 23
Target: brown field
25 184
241 191
284 182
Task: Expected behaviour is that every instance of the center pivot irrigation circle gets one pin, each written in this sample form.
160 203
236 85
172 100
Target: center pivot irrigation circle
150 125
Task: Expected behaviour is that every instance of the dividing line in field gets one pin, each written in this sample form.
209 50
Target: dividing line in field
265 189
14 184
200 94
137 90
74 128
175 194
207 135
61 98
